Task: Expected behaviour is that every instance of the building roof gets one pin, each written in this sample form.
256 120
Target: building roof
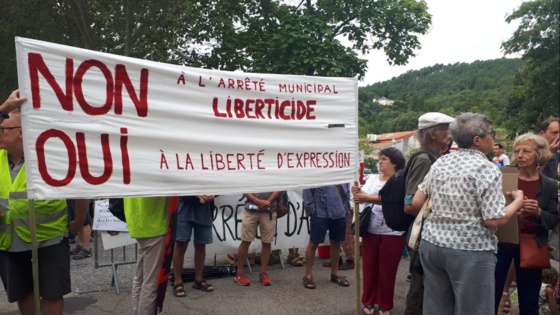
386 139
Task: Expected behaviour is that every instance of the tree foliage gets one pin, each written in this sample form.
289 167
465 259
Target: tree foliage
304 37
537 85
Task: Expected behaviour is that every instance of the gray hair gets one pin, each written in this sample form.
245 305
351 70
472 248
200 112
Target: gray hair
467 126
539 144
423 135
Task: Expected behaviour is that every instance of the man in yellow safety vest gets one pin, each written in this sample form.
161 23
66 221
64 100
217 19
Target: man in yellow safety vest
15 232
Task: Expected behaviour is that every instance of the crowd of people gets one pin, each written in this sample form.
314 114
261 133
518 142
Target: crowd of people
463 263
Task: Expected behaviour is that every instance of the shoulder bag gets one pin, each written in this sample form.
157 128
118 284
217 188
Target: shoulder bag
416 230
531 255
365 217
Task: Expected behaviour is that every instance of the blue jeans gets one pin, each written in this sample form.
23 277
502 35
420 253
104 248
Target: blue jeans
528 280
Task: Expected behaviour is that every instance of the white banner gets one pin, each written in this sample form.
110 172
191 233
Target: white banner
292 230
102 125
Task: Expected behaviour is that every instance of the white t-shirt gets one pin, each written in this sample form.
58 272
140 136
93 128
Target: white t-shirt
377 223
501 161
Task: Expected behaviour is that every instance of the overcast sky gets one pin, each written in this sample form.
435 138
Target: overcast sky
461 31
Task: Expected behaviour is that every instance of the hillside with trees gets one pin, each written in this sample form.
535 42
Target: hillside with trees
482 87
516 93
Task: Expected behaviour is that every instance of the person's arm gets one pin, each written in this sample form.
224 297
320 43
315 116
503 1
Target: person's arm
415 176
262 204
82 207
551 301
554 145
418 200
362 197
362 194
308 201
511 210
12 102
273 197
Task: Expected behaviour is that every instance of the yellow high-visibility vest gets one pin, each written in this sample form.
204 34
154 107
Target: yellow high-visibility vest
146 216
50 214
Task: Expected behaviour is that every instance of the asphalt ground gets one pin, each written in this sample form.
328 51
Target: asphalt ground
93 293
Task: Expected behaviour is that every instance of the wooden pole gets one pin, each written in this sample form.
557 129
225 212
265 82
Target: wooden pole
34 257
357 258
34 248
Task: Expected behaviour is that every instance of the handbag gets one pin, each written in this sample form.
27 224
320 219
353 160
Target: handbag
416 230
531 255
282 205
365 217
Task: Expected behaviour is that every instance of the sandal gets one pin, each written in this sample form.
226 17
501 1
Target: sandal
179 290
368 310
296 261
340 280
308 283
504 306
202 285
384 312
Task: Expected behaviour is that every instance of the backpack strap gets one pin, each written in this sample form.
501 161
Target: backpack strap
413 157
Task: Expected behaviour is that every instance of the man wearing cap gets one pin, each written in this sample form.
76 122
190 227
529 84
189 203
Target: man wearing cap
433 136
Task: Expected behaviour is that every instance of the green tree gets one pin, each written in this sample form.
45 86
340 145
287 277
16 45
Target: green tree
537 85
139 28
304 38
250 35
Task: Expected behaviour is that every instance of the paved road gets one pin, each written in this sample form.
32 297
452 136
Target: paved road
93 293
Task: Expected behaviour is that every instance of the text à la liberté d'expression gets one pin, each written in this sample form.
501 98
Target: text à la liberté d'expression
117 79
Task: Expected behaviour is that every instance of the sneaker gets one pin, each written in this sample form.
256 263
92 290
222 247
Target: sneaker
76 250
265 279
83 253
242 280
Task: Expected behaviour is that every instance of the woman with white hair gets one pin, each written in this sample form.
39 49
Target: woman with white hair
458 244
539 215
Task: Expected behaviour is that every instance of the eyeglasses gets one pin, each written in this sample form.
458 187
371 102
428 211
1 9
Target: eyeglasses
7 128
492 133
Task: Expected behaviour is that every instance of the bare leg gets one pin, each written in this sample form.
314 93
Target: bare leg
84 236
335 254
52 306
178 260
510 277
48 306
265 255
242 256
310 259
27 305
504 301
199 257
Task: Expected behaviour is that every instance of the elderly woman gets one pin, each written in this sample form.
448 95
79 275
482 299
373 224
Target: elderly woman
538 216
381 247
458 244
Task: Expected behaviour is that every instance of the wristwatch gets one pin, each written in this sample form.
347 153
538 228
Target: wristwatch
4 115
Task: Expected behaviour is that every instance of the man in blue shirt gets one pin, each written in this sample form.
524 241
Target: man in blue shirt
328 208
